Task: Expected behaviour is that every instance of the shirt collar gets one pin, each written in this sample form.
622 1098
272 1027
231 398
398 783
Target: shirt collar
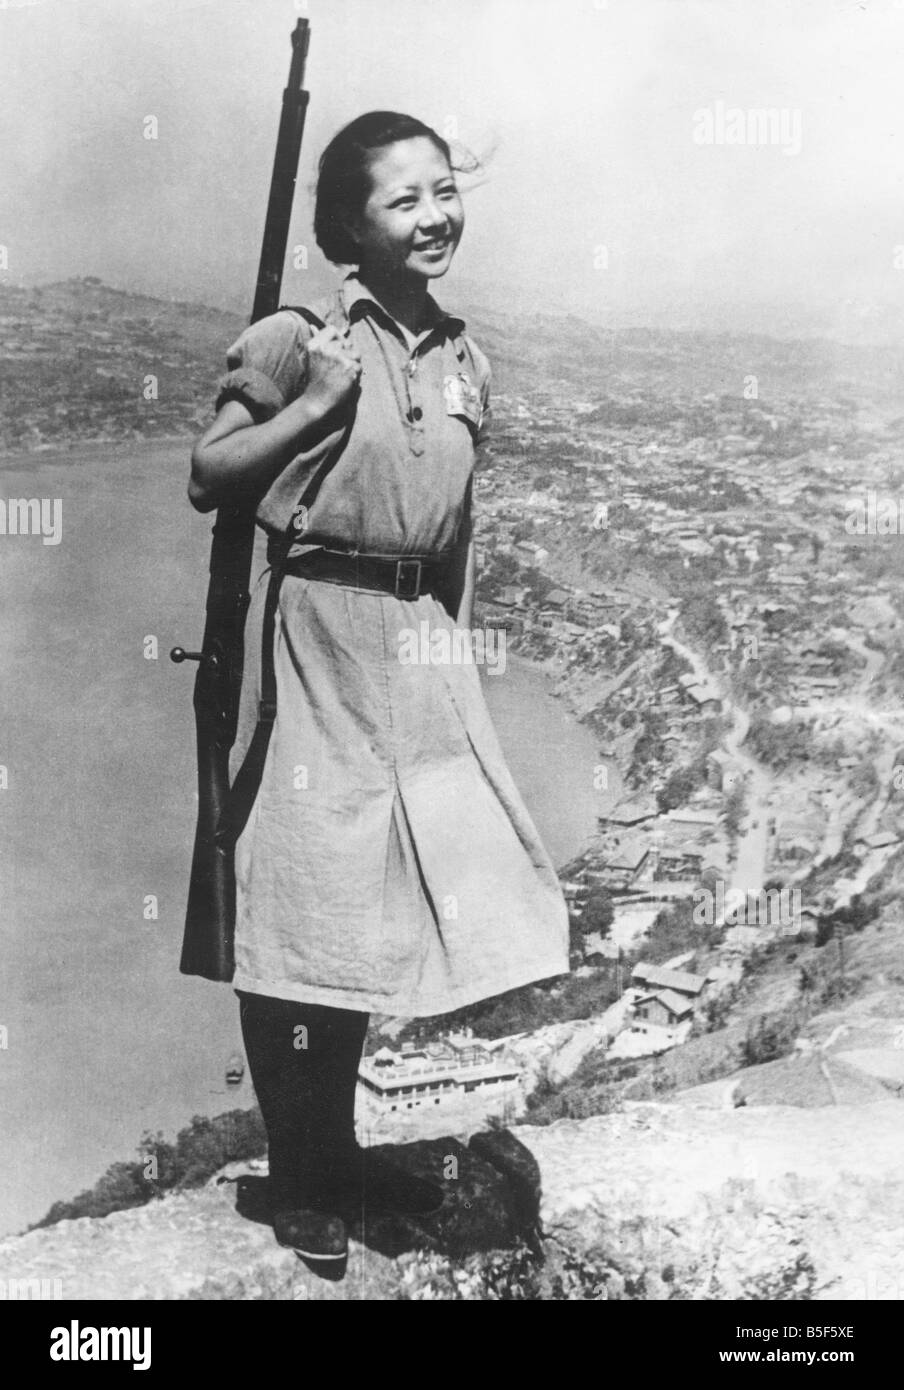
357 294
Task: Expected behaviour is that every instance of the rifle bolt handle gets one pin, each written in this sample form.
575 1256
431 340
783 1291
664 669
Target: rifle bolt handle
178 655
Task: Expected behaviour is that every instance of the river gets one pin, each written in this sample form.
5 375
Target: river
104 1038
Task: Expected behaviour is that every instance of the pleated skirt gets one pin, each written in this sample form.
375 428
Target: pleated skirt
389 863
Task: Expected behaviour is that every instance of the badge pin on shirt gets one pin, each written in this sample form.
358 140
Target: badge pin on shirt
461 397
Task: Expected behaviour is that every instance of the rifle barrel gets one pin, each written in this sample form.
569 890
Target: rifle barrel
282 183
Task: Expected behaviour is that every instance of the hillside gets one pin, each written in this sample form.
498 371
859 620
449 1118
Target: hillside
75 355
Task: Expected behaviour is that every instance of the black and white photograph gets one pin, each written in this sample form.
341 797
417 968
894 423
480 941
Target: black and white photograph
452 746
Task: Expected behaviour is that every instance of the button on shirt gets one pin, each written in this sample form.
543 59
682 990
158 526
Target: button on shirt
401 483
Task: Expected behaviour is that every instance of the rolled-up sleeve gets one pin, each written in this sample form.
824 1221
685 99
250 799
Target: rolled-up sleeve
486 412
267 365
483 377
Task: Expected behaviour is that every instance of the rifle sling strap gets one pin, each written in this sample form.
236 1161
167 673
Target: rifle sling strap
243 791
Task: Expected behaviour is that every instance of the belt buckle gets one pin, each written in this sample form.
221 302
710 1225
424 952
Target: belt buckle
399 580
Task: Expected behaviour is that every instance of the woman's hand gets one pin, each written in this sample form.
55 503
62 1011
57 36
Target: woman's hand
236 455
334 369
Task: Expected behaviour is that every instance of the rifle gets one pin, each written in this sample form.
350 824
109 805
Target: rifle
210 916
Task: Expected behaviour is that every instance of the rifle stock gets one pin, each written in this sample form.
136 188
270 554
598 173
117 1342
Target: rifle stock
208 945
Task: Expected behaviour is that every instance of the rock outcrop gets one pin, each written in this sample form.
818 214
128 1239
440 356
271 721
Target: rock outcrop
767 1203
659 1201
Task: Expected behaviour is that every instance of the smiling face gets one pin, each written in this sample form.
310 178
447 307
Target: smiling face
413 219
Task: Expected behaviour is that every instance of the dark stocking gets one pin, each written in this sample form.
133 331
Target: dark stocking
304 1065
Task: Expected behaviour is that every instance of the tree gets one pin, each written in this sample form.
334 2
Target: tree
710 879
505 567
575 940
865 781
770 1036
649 748
678 789
629 631
599 912
703 620
735 806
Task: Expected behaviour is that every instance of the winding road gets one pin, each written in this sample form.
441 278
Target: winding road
748 870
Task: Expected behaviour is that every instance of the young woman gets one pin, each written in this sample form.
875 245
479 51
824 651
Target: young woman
388 863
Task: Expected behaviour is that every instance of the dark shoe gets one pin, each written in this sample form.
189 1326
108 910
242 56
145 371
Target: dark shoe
373 1184
313 1235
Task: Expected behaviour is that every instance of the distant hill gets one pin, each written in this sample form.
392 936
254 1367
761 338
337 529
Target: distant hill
75 358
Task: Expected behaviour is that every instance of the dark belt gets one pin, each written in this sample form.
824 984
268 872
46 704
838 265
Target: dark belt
404 576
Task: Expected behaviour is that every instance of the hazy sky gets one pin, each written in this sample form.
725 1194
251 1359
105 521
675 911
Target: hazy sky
584 109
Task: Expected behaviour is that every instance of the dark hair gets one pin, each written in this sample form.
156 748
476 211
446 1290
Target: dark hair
343 183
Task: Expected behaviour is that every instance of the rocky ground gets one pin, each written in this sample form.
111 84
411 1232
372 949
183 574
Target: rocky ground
684 1200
